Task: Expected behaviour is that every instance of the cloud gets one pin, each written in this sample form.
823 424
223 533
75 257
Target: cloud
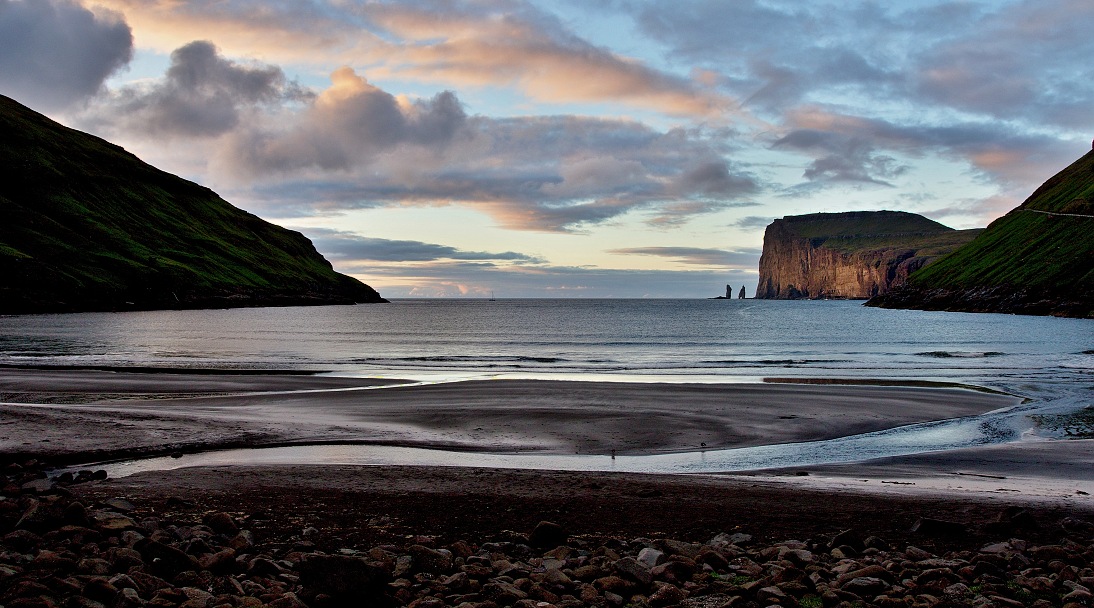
1004 153
202 94
339 245
55 53
1002 86
358 146
462 43
1023 60
841 157
753 222
463 278
740 259
476 43
346 126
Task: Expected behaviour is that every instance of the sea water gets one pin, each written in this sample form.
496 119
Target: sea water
1048 360
692 340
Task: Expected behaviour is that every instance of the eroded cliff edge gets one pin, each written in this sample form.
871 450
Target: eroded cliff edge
851 255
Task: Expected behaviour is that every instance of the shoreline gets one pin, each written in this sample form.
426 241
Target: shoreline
100 418
111 415
432 536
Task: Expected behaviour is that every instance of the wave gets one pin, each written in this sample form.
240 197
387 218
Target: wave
948 354
461 359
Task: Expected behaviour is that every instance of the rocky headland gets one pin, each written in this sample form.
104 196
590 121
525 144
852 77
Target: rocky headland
852 255
85 225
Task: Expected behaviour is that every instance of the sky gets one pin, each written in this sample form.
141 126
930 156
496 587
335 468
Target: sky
569 148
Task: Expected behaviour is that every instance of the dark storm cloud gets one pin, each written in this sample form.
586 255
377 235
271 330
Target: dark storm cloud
54 53
202 94
339 245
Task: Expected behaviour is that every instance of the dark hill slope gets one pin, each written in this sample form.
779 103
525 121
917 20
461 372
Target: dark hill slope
855 254
1037 259
85 225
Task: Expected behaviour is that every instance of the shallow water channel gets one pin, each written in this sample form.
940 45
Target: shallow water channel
1000 426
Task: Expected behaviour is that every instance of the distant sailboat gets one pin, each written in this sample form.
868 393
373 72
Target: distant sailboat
492 296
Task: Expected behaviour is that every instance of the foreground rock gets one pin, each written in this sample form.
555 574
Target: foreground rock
61 550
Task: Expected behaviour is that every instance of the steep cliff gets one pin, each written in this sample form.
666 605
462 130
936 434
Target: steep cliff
852 255
1037 259
85 225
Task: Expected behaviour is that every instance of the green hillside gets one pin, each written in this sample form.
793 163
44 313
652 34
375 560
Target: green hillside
1037 259
85 225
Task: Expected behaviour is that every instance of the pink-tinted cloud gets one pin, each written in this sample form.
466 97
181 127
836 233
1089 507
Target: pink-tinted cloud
536 56
458 43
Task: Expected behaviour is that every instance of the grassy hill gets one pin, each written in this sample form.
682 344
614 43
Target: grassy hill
1037 259
85 225
858 231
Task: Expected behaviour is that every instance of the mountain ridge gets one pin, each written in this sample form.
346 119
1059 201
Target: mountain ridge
86 225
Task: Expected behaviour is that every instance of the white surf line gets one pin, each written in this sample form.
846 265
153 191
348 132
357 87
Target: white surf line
154 399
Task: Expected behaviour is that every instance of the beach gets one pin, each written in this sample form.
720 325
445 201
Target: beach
937 506
69 417
89 415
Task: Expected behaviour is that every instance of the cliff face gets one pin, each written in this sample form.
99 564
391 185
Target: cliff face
853 255
85 225
1038 259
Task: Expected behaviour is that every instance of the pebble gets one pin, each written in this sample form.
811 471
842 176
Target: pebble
55 552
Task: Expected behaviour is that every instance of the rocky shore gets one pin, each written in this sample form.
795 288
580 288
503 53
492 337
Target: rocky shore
73 542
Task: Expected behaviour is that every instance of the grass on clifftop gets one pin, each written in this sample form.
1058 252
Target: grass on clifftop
861 231
85 225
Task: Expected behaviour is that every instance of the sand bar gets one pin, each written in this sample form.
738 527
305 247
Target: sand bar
73 415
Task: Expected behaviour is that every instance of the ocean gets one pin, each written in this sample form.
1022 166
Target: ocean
1048 360
638 340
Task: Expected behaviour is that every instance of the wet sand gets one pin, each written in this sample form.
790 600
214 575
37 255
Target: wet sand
72 416
80 416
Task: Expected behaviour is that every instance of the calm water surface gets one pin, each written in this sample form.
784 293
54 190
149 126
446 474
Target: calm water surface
1049 360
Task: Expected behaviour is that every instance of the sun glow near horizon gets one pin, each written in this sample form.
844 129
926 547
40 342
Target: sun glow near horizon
539 148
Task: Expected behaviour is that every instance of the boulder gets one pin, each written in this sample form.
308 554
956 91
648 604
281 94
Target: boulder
629 568
547 535
343 577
